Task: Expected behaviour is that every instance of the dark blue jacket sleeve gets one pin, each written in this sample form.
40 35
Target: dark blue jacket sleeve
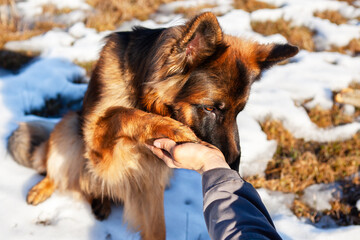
233 209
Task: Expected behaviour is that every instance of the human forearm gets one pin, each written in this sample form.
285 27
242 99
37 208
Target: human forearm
233 209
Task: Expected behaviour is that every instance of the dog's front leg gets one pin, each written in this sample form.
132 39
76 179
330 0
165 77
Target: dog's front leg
130 125
127 171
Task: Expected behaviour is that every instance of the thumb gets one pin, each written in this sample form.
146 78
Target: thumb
166 144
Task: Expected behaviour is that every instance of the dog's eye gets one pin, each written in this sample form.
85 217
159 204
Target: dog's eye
209 108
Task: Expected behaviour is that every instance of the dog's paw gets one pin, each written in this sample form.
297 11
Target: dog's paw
101 208
40 192
175 130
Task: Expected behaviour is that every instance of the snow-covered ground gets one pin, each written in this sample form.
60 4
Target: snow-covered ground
307 76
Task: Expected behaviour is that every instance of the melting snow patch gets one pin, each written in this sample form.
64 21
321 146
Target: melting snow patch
256 150
277 202
301 13
319 196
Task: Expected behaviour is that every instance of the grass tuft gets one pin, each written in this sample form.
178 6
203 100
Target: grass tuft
298 164
353 47
13 28
110 14
297 35
330 118
251 5
332 16
53 10
189 12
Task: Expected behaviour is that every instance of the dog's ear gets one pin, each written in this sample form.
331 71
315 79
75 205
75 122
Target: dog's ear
200 38
270 54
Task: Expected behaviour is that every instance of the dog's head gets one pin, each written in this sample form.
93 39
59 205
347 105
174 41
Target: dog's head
202 78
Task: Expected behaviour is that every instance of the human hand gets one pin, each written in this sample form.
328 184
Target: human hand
194 156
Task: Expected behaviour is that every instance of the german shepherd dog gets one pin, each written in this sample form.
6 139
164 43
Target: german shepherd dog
187 83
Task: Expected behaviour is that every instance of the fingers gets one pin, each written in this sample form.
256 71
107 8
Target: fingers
166 144
162 149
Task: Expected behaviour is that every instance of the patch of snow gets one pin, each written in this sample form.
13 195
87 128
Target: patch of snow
301 13
319 196
77 44
243 28
277 203
27 90
41 43
254 159
31 8
290 228
349 109
329 34
71 17
308 76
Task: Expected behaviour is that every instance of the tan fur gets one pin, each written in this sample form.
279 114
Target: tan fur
65 159
28 146
41 191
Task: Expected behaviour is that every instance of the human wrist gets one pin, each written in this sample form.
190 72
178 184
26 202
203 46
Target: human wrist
212 164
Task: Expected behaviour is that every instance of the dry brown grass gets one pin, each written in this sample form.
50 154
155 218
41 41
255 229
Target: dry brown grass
332 16
12 27
353 48
9 34
51 9
300 209
296 35
251 5
298 164
110 14
332 117
189 12
14 32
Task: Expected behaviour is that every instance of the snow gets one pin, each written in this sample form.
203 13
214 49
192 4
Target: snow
32 8
78 43
253 159
308 76
243 27
319 196
41 79
279 96
301 13
277 203
170 8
